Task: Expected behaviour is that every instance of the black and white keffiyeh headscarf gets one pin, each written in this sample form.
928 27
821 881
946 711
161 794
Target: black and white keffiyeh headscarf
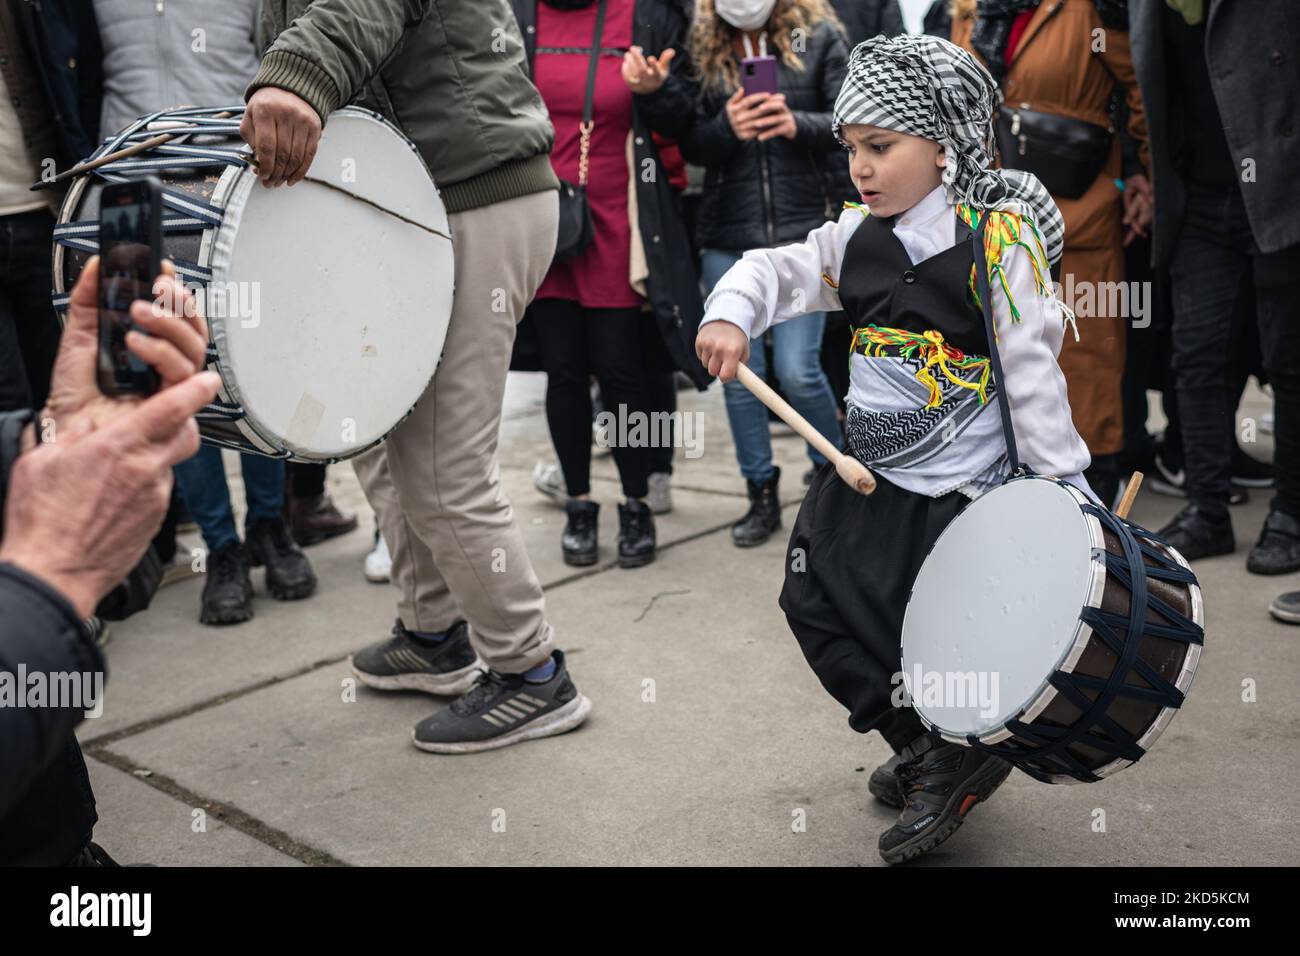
928 87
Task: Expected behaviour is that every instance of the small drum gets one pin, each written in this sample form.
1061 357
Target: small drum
327 302
1047 630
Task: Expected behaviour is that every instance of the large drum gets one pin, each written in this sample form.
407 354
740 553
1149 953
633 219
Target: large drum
327 302
1051 632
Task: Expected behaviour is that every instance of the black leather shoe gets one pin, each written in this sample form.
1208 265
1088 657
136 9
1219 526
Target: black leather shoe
289 576
1278 549
883 783
636 534
227 590
317 518
1286 607
764 515
579 541
1194 534
940 783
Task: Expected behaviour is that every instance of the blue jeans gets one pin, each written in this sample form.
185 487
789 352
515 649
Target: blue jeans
796 351
202 481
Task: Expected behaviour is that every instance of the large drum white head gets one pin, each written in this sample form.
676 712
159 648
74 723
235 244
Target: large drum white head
995 608
339 291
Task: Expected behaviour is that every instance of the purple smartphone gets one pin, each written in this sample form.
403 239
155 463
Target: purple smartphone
758 74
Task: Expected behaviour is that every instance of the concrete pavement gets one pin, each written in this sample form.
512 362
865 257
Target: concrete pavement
709 738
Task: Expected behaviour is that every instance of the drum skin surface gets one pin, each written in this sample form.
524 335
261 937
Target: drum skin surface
346 334
998 598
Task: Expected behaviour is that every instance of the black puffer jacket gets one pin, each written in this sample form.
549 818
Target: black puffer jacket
763 194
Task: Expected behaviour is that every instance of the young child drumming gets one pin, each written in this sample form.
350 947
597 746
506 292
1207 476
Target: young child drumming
916 115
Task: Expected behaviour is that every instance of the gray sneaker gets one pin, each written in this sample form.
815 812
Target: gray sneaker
503 709
448 668
660 496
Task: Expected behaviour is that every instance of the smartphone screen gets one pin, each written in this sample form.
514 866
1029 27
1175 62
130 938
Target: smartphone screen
129 254
758 74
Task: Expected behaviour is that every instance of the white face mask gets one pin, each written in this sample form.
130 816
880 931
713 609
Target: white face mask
745 14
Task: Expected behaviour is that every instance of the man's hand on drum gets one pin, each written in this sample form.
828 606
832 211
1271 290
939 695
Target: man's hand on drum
721 347
176 346
284 131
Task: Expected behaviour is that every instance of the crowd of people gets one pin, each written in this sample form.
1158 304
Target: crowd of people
1170 237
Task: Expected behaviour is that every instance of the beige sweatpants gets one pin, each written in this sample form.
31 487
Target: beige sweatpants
435 484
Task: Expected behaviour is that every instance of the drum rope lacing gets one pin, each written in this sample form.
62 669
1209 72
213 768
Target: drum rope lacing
1094 728
183 213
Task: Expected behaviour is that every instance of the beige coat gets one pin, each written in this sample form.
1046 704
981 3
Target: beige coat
1068 63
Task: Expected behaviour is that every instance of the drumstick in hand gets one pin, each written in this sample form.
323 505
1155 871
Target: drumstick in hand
855 474
124 153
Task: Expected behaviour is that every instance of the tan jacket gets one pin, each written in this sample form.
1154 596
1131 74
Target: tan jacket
1068 63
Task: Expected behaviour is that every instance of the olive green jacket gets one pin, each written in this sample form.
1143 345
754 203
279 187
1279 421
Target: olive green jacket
450 73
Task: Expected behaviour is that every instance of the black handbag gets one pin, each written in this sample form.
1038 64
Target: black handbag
1065 154
576 230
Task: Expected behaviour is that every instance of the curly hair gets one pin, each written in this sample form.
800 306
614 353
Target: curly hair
712 38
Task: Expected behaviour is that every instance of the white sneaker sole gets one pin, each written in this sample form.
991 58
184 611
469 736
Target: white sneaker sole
450 684
567 718
1286 617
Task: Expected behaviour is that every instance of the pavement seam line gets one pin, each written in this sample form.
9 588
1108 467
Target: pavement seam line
229 814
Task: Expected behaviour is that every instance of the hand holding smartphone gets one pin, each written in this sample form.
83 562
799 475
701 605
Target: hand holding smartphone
130 259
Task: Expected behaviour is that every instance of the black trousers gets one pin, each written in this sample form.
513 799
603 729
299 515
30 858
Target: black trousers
577 343
305 481
1215 255
29 328
660 390
850 567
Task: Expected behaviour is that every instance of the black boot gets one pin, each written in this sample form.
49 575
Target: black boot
636 534
579 541
764 515
227 590
288 572
1278 548
1195 534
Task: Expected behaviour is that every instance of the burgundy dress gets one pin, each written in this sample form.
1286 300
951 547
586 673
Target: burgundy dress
599 277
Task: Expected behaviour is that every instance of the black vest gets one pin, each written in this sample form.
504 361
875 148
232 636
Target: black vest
880 286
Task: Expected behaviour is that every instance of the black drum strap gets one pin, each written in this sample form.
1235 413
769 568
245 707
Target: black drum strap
986 303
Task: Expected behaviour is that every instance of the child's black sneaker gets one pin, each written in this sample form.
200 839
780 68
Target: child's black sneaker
503 709
449 667
883 783
940 783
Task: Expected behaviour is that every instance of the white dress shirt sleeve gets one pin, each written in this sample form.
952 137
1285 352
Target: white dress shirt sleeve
1046 438
768 286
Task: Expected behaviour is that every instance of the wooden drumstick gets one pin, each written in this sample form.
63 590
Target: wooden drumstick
1130 493
855 474
122 153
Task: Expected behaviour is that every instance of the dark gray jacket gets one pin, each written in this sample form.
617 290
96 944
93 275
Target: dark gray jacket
450 73
1253 53
763 194
40 631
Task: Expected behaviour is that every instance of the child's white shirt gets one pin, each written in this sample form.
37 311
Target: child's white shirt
768 286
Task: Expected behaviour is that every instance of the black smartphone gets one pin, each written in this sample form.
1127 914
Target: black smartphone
130 258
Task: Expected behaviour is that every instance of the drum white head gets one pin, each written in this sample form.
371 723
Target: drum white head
995 608
338 292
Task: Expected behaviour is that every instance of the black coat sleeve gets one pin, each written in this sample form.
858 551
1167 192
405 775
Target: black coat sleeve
813 127
670 110
41 634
